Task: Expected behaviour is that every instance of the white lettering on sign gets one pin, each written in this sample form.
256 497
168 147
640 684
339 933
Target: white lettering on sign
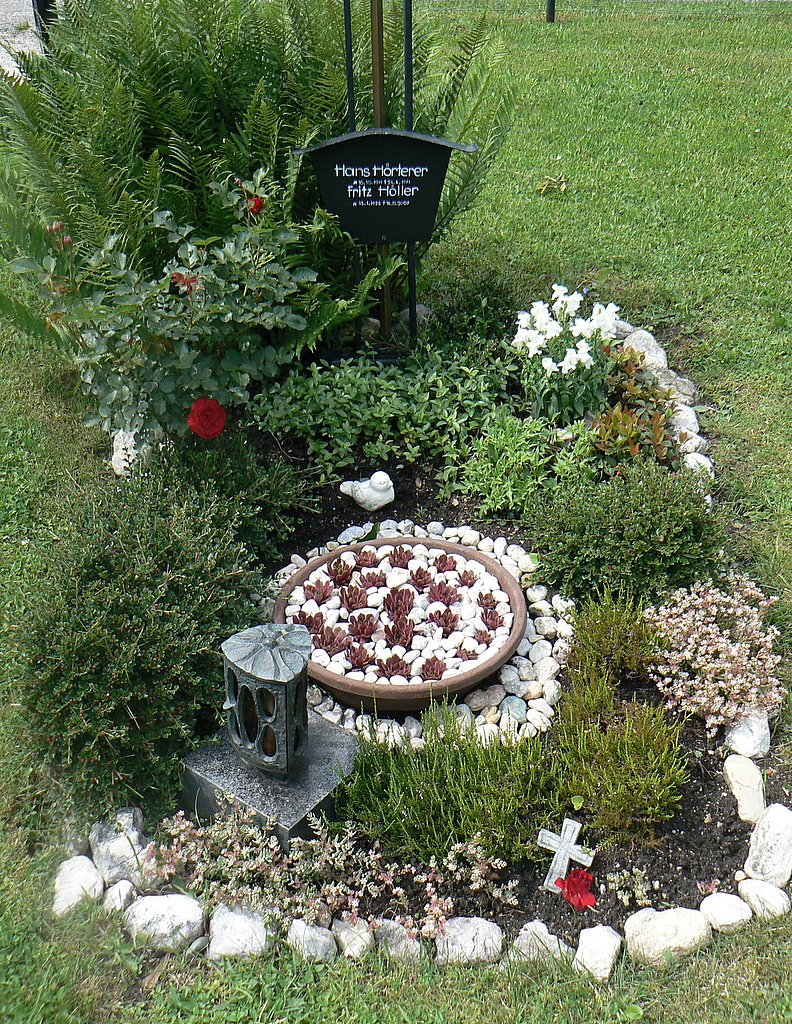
381 184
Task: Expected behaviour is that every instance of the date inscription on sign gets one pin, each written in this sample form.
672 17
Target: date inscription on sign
384 185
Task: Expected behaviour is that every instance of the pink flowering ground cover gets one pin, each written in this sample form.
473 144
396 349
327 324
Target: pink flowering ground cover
716 657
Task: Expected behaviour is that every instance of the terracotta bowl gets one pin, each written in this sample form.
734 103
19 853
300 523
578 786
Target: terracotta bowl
385 697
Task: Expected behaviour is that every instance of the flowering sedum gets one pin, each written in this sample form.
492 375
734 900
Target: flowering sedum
716 656
237 861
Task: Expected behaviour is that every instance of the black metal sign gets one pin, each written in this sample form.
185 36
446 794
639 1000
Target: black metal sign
384 185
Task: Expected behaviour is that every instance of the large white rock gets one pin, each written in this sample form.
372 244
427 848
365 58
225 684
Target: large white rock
354 939
236 932
119 895
765 900
395 942
645 343
168 922
120 850
535 942
684 420
652 934
597 952
749 736
745 782
469 940
77 880
770 852
311 942
726 912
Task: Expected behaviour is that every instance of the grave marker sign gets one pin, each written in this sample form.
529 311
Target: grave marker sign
384 185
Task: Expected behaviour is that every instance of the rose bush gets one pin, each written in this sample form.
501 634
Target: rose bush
223 316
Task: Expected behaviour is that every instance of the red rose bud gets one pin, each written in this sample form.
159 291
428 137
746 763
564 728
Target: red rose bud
207 418
255 205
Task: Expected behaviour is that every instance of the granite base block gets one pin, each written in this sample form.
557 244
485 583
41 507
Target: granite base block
212 773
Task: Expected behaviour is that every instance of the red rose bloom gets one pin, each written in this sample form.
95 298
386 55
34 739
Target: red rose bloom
576 889
207 418
255 205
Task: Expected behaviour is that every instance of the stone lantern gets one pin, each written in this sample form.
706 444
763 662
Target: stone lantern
266 679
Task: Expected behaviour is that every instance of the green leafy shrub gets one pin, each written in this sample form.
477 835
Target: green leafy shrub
223 315
428 407
421 803
645 530
612 639
515 457
123 643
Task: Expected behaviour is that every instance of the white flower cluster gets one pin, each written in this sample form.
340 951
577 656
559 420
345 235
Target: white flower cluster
535 328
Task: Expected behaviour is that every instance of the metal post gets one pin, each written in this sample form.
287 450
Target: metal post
550 11
44 15
380 117
350 67
350 76
412 283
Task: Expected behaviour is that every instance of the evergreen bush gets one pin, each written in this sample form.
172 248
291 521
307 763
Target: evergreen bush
124 670
645 530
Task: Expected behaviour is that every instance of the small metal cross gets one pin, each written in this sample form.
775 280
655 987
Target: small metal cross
565 851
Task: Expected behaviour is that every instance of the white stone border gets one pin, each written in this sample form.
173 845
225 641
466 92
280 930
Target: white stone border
174 921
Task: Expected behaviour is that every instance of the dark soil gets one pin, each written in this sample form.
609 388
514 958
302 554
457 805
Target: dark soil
697 852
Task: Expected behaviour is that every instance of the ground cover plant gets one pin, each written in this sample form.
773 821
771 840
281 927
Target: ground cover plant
610 81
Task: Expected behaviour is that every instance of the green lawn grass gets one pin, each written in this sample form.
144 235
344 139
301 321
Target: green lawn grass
671 124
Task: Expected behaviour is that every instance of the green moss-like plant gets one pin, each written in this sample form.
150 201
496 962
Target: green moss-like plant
515 458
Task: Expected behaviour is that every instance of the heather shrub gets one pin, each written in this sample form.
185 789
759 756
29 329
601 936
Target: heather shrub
122 644
619 763
421 803
715 656
235 860
612 638
645 530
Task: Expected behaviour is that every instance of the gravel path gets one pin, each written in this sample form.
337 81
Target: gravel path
16 29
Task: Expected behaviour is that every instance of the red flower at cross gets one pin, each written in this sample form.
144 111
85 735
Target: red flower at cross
576 889
207 418
255 205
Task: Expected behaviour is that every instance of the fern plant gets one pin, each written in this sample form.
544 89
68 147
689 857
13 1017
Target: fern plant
140 106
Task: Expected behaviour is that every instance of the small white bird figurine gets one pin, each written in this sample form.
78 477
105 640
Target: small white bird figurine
370 494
